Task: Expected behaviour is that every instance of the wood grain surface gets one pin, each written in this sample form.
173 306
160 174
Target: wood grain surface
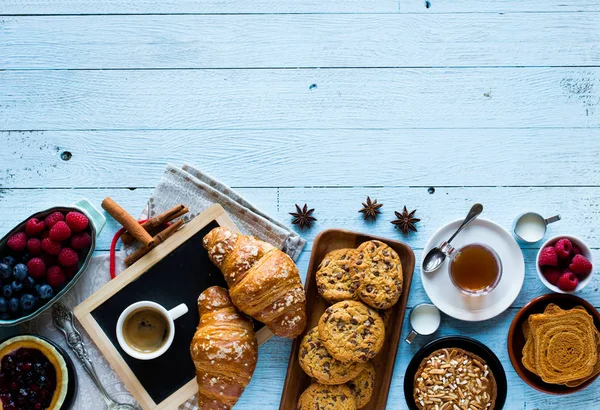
433 104
219 41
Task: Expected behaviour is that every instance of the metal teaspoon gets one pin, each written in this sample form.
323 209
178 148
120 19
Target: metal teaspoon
63 320
435 257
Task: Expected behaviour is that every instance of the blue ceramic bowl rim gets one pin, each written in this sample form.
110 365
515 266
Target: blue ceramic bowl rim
20 227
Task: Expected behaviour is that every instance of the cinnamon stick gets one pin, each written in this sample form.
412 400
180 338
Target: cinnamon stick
158 239
128 222
157 221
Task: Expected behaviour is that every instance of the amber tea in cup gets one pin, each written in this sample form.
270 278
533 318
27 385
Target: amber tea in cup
475 269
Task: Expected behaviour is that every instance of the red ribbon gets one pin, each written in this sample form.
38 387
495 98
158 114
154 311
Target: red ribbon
113 247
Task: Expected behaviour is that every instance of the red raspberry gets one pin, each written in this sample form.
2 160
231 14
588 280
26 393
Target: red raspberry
567 282
53 218
81 240
45 234
68 257
34 227
34 246
77 221
581 266
60 231
50 246
55 276
17 242
576 250
36 268
552 274
548 257
563 248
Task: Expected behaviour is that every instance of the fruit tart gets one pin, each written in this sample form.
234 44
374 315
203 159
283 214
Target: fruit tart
33 375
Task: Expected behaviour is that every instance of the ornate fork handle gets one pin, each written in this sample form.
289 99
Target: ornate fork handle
63 320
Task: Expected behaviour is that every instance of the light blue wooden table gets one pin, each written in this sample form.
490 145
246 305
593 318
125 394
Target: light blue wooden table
430 104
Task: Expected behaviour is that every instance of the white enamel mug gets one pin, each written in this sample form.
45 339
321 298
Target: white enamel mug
170 317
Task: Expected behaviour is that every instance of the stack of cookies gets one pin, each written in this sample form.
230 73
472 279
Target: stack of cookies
362 284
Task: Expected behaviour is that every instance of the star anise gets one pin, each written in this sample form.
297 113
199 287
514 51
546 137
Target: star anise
303 217
406 221
370 209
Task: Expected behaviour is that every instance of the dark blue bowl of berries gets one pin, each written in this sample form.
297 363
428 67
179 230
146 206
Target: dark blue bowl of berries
43 257
37 374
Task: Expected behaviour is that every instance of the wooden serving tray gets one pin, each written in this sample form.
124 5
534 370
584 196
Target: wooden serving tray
296 380
175 272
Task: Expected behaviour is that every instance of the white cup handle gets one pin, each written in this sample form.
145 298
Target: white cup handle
178 311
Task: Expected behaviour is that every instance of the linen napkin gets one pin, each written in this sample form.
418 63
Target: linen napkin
197 190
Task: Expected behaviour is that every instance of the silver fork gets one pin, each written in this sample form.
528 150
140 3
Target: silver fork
63 320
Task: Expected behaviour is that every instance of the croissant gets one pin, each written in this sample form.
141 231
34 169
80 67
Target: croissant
224 350
263 281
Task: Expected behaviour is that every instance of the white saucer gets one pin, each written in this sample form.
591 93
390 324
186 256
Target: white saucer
449 299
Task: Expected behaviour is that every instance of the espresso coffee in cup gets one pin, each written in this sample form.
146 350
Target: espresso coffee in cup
146 330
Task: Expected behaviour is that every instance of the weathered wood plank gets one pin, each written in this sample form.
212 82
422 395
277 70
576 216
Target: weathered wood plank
54 7
304 157
258 41
337 207
274 99
467 6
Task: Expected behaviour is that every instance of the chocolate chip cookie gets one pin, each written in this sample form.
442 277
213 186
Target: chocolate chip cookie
351 331
323 397
363 385
335 280
316 361
380 270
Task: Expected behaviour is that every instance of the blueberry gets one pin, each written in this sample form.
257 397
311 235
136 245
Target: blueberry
9 260
25 258
27 302
7 291
5 271
17 286
13 305
46 291
3 305
20 272
5 316
29 282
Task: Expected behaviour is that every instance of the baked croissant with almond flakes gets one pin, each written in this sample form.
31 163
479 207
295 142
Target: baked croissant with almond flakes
263 281
224 350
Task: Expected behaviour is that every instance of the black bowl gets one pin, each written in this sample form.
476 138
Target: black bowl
72 385
467 344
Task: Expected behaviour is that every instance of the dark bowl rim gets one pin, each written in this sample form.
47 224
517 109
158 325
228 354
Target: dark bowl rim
72 282
413 365
515 356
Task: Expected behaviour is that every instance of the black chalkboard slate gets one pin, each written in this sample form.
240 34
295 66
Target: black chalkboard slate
179 277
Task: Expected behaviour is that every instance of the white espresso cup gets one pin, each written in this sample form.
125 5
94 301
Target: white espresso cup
168 318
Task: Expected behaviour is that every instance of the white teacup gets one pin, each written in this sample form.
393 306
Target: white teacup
145 330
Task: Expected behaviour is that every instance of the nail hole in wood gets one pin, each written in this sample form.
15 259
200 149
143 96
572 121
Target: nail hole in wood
427 4
312 87
66 155
431 190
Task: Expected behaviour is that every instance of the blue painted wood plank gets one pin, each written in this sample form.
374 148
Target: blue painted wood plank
275 99
386 40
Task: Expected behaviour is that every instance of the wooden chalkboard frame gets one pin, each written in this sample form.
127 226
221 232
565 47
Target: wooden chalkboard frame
83 312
